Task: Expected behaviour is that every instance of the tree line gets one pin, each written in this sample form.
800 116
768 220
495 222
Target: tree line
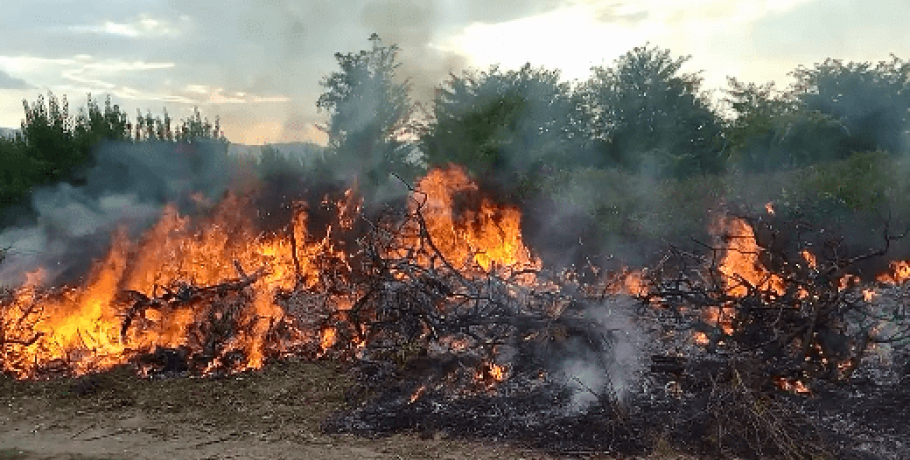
641 115
55 145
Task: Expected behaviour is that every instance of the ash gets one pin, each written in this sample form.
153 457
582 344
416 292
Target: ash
717 404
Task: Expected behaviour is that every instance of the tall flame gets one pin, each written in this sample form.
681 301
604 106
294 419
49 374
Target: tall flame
82 327
487 236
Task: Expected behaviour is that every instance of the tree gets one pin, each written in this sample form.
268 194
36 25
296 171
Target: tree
871 102
648 117
369 112
48 138
503 124
192 129
55 146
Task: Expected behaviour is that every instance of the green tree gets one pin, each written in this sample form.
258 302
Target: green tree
871 101
94 124
503 124
770 130
191 129
48 135
53 145
646 116
369 113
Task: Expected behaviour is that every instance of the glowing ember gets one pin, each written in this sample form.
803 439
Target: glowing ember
868 295
809 258
847 281
794 386
769 208
417 394
899 272
720 317
327 338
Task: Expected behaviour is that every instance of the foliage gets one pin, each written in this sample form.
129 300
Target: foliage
833 110
503 123
871 102
753 131
648 117
55 145
369 112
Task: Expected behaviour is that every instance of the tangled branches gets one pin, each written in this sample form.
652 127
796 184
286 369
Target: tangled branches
771 295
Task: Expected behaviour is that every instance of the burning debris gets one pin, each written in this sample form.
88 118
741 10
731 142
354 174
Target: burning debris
806 315
451 323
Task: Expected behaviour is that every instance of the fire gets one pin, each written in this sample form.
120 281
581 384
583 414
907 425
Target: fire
497 372
629 282
809 258
899 273
487 236
740 263
327 338
741 270
794 386
868 295
80 329
490 374
769 208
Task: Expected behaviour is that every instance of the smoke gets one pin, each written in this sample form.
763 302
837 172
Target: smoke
609 372
126 188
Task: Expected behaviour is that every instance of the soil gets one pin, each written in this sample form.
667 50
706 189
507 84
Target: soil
271 414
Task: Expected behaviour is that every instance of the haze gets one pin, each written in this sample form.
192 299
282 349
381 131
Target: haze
258 64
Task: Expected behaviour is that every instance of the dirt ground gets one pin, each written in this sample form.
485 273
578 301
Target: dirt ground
272 414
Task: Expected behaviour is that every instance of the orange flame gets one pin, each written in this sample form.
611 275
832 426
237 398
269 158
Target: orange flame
809 258
794 386
899 272
868 295
491 374
82 327
327 338
740 263
486 236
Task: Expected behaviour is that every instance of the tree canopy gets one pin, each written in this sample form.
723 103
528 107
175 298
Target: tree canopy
499 123
369 111
647 116
871 101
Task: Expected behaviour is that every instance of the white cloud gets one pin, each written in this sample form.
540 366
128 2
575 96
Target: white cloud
585 33
142 26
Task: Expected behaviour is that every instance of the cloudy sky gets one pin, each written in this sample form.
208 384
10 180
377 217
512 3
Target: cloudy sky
258 63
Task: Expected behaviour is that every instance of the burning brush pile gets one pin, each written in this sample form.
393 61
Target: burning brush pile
451 324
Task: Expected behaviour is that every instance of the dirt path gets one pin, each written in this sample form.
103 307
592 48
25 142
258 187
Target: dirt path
274 414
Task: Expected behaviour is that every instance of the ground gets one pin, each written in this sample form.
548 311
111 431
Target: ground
271 414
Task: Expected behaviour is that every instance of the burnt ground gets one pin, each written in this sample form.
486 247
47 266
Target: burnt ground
276 413
273 414
286 411
702 413
867 420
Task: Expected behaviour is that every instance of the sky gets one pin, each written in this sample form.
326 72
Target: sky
258 63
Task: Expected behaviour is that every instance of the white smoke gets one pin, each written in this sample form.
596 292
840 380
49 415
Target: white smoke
127 188
610 373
